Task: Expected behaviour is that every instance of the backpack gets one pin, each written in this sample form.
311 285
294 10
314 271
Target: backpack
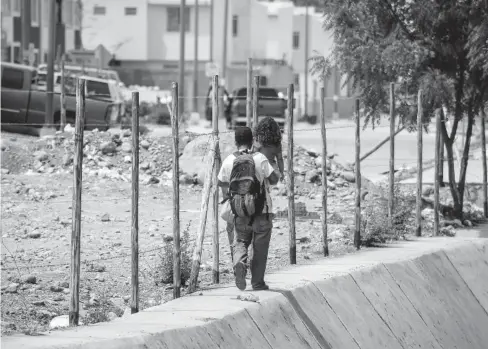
247 195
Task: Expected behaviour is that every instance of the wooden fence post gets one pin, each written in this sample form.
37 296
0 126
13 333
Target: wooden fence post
436 171
249 93
62 97
420 146
483 159
291 180
216 167
325 242
357 233
176 191
391 181
135 204
255 102
74 305
208 186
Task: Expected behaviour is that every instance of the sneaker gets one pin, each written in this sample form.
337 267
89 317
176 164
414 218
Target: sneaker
262 287
240 273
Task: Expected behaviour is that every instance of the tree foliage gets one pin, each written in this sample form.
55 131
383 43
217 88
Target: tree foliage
439 46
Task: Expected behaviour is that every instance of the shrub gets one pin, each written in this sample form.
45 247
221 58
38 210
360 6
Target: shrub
164 271
374 217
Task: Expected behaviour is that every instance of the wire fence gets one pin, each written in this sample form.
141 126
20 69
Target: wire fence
134 255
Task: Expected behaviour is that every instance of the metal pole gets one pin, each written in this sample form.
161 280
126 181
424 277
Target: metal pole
224 54
25 30
306 62
50 63
181 78
211 29
195 63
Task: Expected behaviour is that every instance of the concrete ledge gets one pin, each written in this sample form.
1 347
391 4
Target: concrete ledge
428 293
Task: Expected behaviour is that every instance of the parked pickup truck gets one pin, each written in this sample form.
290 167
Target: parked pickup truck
269 104
24 104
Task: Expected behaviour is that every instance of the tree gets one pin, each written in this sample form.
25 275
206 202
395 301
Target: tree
439 46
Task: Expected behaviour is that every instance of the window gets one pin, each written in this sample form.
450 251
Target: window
173 19
131 11
263 81
99 10
296 80
296 40
235 24
97 88
6 7
34 11
12 78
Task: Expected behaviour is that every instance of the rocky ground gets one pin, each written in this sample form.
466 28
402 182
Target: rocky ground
37 216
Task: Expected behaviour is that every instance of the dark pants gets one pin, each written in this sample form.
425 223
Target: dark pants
260 235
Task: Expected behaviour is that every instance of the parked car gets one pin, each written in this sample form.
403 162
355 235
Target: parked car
108 74
270 103
24 104
108 90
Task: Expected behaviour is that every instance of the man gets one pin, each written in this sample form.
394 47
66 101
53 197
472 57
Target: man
260 225
224 100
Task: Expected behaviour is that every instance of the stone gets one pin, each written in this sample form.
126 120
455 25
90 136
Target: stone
61 321
126 147
167 237
108 148
67 159
312 176
56 288
38 303
12 288
428 191
349 176
5 171
145 144
41 156
144 165
64 284
448 231
30 279
126 133
151 180
34 234
105 218
127 159
111 316
468 223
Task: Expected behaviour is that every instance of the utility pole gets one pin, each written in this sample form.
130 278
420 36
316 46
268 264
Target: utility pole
50 63
181 79
211 29
195 63
25 30
224 54
306 61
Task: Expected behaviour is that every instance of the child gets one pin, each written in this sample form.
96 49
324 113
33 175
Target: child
268 142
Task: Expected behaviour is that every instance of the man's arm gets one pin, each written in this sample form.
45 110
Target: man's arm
273 178
269 171
224 187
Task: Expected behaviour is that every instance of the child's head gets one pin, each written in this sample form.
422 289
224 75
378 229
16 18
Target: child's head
243 137
268 132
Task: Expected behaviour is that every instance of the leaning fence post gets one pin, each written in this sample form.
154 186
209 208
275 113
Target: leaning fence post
418 230
249 93
255 102
325 242
176 192
391 181
291 180
436 171
62 96
74 305
134 308
216 167
357 232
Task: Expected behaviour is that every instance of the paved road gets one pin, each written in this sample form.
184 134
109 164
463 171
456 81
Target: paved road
340 140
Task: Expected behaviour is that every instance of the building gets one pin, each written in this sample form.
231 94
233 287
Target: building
144 36
68 28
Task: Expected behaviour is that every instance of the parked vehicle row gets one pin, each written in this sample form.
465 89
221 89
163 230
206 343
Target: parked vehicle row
23 101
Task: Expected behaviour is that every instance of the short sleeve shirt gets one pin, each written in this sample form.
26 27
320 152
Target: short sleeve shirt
263 171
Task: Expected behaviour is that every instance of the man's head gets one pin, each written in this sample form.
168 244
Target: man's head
243 137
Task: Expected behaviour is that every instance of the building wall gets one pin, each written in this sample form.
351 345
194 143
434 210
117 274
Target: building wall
124 35
39 19
165 45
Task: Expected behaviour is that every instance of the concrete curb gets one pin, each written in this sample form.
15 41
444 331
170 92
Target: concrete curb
428 293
